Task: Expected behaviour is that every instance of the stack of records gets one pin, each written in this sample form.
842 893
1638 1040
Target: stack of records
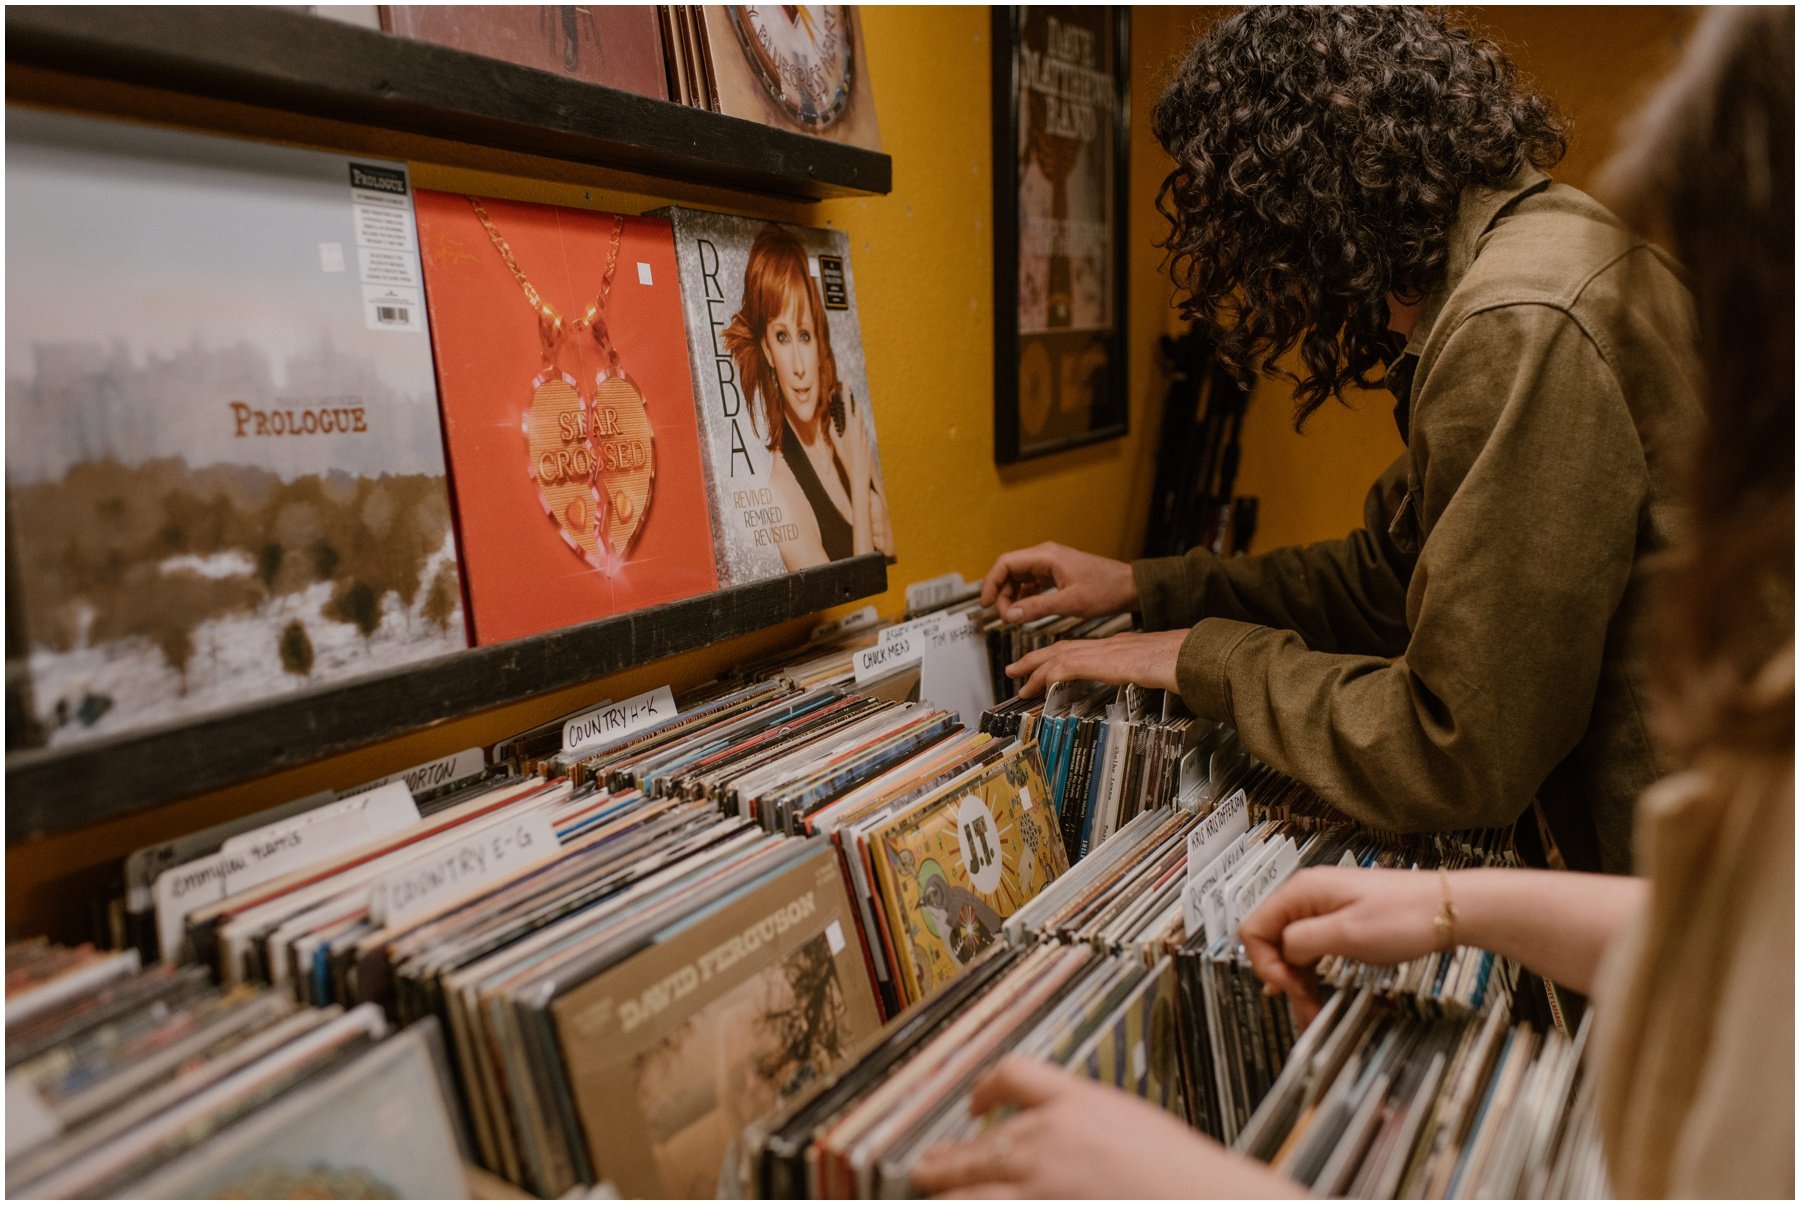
1382 1100
154 1083
1238 1039
858 1134
1007 642
636 943
1124 896
1111 753
941 852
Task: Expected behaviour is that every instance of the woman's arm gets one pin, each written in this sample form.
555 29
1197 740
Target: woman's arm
1558 923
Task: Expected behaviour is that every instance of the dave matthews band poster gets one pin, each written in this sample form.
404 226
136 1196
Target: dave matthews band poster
1060 144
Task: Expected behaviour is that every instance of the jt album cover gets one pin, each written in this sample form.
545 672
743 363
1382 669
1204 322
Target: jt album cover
618 45
793 467
225 473
568 409
955 869
799 67
673 1052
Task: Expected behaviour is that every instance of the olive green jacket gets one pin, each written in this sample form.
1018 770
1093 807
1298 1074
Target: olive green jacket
1486 637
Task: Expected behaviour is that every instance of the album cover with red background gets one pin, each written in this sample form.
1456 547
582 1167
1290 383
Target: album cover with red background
574 452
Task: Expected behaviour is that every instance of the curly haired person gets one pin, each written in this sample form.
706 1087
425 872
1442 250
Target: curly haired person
1367 188
1692 965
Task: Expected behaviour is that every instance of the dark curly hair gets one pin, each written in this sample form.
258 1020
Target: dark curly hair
1319 157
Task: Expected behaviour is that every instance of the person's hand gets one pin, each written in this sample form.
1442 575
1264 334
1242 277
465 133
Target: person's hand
1076 1138
1375 916
1146 658
1087 586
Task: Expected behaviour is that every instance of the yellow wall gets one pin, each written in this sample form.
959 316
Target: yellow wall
923 261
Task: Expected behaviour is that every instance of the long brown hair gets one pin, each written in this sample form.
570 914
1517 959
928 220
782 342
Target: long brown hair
1710 172
776 268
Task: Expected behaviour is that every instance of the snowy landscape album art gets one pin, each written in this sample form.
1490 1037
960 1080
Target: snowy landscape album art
225 470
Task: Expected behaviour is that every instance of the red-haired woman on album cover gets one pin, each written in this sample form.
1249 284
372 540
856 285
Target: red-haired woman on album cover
823 470
1690 966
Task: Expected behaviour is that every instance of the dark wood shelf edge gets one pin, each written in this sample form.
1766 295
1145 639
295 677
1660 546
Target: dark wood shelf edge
317 67
51 791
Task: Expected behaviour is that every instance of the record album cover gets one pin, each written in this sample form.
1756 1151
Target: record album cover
800 67
673 1052
574 451
618 45
793 467
385 1125
225 474
955 869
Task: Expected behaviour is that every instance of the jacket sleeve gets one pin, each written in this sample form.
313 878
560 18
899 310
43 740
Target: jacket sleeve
1342 596
1532 486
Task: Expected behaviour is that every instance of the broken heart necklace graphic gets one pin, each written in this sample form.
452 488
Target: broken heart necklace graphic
592 457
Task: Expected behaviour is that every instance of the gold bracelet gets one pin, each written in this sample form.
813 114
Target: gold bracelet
1445 920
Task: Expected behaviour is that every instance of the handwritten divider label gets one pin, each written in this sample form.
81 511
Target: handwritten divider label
491 855
1263 883
267 853
1203 899
142 867
936 590
955 670
610 721
856 621
894 647
429 776
1223 825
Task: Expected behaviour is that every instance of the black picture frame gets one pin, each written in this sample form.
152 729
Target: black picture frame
1063 384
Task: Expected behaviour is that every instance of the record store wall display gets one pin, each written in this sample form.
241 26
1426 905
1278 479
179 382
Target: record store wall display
799 67
1061 154
618 45
568 410
792 463
225 473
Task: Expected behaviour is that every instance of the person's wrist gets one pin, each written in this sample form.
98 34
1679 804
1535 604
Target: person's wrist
1123 594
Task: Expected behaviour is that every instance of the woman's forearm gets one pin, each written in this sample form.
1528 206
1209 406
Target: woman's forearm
1557 923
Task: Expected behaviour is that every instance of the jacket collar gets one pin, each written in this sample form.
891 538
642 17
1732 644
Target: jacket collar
1475 215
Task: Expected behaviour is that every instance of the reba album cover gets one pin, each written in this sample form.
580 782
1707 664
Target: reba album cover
792 463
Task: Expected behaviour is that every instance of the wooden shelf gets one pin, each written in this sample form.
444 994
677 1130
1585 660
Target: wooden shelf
55 790
322 68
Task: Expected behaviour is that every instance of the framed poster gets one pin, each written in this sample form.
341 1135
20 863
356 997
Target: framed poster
1061 147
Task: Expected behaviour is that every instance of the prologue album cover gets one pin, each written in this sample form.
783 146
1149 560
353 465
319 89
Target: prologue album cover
224 468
